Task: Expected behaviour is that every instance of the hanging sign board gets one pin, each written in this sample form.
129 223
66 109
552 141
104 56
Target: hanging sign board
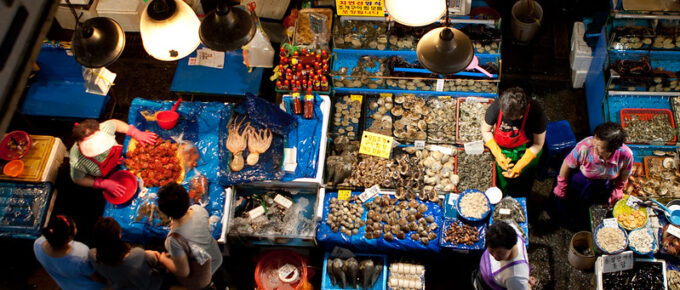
376 144
360 7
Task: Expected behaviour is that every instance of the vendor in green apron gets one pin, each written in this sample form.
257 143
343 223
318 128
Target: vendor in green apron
514 132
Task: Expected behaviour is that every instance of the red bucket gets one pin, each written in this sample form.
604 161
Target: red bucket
282 269
168 119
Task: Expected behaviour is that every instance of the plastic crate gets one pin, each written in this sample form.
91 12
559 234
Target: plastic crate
647 114
380 284
25 208
460 102
599 267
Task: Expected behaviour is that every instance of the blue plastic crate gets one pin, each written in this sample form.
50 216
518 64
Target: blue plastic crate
380 284
478 246
24 208
640 151
614 104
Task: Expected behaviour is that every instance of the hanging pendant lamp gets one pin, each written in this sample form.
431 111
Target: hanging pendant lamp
169 29
445 50
226 28
416 12
98 42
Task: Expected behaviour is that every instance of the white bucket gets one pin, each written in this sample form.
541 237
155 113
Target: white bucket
523 26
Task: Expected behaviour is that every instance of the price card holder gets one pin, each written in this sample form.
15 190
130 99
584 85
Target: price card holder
453 198
633 202
673 230
356 98
444 97
617 263
610 223
474 147
440 85
283 201
376 144
419 144
256 212
385 95
369 193
286 270
344 194
504 211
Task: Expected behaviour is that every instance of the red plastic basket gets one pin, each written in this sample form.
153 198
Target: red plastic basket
647 114
493 170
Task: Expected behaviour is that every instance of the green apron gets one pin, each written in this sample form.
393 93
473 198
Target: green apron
521 185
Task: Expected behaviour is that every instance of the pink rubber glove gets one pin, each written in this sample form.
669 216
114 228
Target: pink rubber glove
561 188
112 186
617 194
144 137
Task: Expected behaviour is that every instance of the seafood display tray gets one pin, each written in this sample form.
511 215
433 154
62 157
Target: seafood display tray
478 246
599 267
613 104
311 191
460 102
25 208
525 225
627 114
379 285
640 28
493 170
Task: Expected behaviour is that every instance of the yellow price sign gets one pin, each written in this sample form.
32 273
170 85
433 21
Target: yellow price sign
360 7
356 98
385 95
376 144
444 97
344 194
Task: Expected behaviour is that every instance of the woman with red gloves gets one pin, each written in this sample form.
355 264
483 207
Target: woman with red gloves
595 172
96 154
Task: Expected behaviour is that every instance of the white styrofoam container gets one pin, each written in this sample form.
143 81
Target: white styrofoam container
125 12
65 17
578 78
321 163
580 61
599 267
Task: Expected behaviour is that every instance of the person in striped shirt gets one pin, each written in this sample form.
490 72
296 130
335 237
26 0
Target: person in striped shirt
96 153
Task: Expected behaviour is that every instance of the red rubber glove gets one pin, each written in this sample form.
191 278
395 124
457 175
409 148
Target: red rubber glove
617 194
144 137
112 186
561 188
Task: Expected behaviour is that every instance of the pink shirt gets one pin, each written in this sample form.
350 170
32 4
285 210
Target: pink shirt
620 164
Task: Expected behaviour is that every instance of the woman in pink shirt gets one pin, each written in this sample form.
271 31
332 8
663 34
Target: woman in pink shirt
595 172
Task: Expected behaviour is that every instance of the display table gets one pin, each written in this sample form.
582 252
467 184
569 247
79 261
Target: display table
42 161
234 79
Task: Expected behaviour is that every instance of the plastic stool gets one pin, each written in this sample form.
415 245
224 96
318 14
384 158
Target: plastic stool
559 140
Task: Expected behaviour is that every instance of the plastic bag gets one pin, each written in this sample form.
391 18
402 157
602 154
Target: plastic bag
188 154
259 51
305 141
150 214
98 81
509 209
198 188
269 115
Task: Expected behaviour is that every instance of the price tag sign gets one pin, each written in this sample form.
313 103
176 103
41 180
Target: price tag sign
286 270
342 253
474 147
610 223
504 211
419 144
442 149
356 98
633 202
444 97
385 95
283 201
453 197
360 7
256 212
440 85
673 230
617 263
344 194
376 144
369 193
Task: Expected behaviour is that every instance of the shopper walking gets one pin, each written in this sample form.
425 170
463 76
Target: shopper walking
96 154
193 253
595 172
63 258
514 132
504 263
125 267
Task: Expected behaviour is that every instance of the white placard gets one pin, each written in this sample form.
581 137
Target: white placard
419 144
256 212
453 198
343 253
673 230
633 202
616 263
442 149
474 147
283 201
440 85
610 223
208 57
369 193
504 211
286 270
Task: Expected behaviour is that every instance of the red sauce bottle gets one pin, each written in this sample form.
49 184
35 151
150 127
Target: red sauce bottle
309 104
297 105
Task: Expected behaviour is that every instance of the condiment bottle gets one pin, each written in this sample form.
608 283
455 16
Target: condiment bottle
297 105
309 104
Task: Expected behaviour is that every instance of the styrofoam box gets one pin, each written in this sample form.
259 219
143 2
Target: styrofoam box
65 17
578 78
76 2
125 12
581 58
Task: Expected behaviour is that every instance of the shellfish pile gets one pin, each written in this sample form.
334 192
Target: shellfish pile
407 178
441 120
369 171
475 171
405 276
346 116
474 205
471 116
643 130
489 48
345 215
450 85
367 72
360 34
461 234
380 119
403 220
439 171
410 112
663 179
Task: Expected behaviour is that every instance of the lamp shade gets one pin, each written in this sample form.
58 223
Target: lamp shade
416 12
445 50
98 42
226 28
169 29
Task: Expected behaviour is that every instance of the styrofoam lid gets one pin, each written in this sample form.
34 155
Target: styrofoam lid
494 194
119 5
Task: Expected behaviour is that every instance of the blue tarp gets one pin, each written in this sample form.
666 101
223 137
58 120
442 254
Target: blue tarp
306 139
198 123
